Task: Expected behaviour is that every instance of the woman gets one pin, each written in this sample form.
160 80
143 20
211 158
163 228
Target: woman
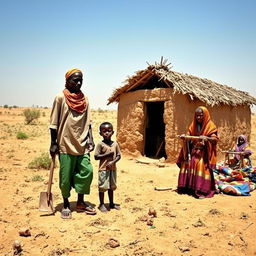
196 176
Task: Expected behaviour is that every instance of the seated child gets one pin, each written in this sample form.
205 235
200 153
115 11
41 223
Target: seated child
108 152
241 146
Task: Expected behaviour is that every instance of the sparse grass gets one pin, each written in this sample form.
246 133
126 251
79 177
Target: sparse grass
21 136
31 115
37 178
41 162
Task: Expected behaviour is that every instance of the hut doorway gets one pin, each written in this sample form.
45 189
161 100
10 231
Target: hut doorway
154 135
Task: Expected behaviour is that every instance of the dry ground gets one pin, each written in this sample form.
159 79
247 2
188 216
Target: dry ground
222 225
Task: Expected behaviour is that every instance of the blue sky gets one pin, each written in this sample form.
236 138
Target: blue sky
110 40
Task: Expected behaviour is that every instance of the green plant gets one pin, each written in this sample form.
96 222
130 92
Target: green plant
37 178
41 162
21 136
31 115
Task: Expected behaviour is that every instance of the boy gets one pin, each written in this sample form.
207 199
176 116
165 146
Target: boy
71 137
108 152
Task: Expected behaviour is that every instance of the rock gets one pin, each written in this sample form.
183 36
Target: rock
152 212
184 249
199 223
17 248
244 216
150 222
144 218
113 243
62 230
24 232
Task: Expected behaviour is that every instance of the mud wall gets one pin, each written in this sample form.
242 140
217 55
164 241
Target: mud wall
130 127
178 114
231 122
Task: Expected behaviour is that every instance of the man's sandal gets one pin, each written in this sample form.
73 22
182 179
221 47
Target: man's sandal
86 208
66 213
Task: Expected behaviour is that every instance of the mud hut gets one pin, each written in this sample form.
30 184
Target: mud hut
157 104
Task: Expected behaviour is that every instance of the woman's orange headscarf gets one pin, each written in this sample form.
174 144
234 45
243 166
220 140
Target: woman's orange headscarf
208 127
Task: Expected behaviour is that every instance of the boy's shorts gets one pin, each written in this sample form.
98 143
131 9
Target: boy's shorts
107 180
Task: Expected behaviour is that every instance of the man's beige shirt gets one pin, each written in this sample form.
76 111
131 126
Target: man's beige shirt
72 127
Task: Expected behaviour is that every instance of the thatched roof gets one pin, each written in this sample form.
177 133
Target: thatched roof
207 91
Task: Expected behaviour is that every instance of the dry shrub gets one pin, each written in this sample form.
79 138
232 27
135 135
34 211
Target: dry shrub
31 115
41 162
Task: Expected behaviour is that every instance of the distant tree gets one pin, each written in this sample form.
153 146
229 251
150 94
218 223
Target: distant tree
100 110
6 106
31 115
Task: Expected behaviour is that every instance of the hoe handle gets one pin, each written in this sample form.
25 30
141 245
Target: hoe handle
50 178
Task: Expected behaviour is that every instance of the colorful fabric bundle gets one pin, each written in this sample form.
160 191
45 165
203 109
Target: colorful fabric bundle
235 182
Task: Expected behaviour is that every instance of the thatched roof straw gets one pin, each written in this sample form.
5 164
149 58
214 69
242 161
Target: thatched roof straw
207 91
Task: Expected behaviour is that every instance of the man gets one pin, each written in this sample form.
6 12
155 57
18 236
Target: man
71 137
